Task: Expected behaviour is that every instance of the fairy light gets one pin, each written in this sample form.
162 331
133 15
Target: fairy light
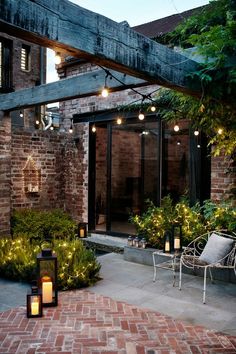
94 128
21 114
220 131
196 132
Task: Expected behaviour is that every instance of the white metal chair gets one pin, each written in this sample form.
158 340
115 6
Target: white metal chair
211 250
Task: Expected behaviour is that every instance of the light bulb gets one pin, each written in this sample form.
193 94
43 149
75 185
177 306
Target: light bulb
141 115
52 127
105 92
153 108
196 132
37 122
94 128
176 128
198 146
178 143
21 114
119 121
220 131
57 58
71 130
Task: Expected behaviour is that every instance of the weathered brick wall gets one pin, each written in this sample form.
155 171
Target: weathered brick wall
223 178
61 165
5 174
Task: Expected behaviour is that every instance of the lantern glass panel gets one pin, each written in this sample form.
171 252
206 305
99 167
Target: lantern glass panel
47 279
82 230
34 305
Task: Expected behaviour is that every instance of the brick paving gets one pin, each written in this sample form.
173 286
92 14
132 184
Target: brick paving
88 323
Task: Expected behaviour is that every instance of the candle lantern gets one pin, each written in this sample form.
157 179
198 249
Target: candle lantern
177 237
34 303
47 277
82 230
143 243
136 242
130 241
167 242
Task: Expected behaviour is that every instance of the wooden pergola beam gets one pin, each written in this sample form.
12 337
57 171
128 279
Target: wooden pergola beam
64 26
88 84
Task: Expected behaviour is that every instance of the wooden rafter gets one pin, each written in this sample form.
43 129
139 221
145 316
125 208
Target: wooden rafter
64 26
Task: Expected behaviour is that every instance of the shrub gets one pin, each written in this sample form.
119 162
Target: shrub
77 266
156 220
42 224
219 216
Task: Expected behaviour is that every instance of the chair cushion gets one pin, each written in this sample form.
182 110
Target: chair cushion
216 248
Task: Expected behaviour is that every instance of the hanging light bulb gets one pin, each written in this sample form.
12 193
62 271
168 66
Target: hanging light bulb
37 122
196 132
119 121
71 126
198 146
57 58
141 115
105 90
153 108
52 127
176 128
21 114
94 128
178 142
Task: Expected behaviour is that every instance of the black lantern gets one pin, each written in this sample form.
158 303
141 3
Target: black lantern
47 277
167 242
82 230
34 303
177 237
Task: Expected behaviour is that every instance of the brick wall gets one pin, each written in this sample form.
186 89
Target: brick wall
5 174
223 178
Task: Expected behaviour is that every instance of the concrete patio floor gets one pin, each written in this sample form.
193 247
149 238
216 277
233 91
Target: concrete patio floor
125 312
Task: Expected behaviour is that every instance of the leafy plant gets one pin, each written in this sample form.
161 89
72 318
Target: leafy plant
77 266
157 220
221 216
42 224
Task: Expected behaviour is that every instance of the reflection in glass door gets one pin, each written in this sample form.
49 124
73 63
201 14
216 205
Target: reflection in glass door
126 173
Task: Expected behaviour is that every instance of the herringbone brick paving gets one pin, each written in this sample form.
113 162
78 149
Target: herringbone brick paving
88 323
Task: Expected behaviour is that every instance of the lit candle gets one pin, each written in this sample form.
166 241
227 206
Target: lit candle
167 246
35 306
177 243
47 292
81 232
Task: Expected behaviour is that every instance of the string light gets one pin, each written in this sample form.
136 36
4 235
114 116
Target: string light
220 131
21 114
71 126
178 142
105 90
176 128
52 127
196 132
57 58
198 146
94 128
153 108
37 122
119 121
141 115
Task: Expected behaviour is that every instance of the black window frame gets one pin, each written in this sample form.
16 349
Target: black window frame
6 65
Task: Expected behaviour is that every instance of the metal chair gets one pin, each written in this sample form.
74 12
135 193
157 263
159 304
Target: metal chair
212 250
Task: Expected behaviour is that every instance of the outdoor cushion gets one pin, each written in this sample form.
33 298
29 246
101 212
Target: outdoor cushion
216 248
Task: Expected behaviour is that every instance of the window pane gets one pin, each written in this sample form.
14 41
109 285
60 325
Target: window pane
25 57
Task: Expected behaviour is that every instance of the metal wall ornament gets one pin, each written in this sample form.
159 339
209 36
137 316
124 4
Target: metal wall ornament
47 277
34 306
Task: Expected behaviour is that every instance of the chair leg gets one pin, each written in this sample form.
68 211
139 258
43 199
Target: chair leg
180 275
212 280
155 273
204 286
